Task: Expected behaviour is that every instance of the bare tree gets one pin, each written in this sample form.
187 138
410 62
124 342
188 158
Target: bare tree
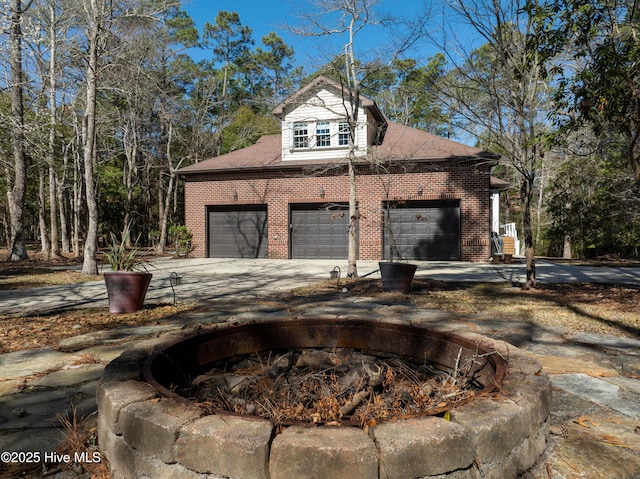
53 120
349 18
45 22
16 195
57 20
95 16
499 91
108 26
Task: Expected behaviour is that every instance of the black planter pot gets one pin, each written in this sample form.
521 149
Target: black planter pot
397 277
126 290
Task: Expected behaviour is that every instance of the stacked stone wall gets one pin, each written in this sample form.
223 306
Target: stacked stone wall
143 435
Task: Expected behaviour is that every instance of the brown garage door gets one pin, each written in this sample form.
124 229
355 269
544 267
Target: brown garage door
427 230
319 231
237 232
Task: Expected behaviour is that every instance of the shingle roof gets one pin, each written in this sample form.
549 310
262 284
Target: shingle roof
401 143
406 143
265 152
499 184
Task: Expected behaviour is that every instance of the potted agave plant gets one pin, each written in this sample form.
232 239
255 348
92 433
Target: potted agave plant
126 285
396 277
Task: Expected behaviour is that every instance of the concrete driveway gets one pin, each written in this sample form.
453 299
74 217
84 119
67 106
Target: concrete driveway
546 272
213 278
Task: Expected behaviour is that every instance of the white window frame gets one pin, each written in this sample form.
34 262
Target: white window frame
323 134
343 133
320 134
300 134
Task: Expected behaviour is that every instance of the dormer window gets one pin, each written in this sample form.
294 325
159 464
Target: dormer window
323 134
320 134
300 135
343 134
315 127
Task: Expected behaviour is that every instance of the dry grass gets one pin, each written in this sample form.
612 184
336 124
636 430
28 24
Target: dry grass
36 332
37 272
19 331
602 308
37 277
595 308
80 444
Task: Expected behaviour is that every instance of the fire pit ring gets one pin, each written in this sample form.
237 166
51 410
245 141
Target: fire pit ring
145 430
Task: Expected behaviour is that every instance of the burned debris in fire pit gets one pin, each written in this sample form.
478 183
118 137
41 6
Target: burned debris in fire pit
329 387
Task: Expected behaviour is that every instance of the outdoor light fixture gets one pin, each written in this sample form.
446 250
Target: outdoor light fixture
321 192
235 195
420 190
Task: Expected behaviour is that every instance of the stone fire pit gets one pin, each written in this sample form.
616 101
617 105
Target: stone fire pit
145 430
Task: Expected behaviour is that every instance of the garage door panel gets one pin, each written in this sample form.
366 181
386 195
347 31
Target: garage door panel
319 232
422 228
238 233
425 231
448 220
436 249
325 230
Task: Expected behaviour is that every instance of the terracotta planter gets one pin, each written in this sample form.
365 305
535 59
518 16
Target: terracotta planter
126 290
397 277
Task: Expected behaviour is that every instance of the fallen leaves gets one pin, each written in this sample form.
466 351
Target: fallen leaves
45 332
585 420
35 277
327 387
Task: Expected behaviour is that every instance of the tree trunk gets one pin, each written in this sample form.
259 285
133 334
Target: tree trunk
78 175
161 244
352 266
42 221
542 186
165 205
53 214
130 171
90 265
633 155
526 195
16 195
64 216
566 248
5 222
354 106
53 211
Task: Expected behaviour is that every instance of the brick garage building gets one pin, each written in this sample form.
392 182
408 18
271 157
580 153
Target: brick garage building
420 195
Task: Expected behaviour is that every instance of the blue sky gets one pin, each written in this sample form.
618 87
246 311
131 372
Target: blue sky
264 16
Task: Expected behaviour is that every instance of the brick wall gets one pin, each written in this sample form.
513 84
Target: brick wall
466 182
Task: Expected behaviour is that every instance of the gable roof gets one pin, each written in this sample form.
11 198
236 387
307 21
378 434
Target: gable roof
316 84
400 143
